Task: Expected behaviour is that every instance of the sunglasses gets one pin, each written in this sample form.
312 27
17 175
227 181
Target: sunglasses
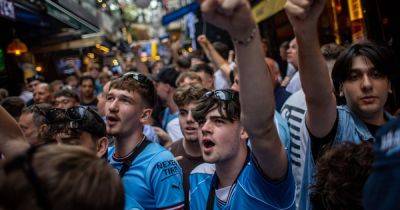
79 117
142 79
78 113
222 95
24 162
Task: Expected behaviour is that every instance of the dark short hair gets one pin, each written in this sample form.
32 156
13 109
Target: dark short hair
13 105
184 62
168 76
331 51
146 91
35 77
229 109
87 77
67 93
284 45
203 68
380 56
340 176
222 49
37 111
187 94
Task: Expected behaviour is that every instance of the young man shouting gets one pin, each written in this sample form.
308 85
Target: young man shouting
149 173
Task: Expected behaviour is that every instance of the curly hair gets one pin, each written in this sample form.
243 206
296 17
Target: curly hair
186 94
340 176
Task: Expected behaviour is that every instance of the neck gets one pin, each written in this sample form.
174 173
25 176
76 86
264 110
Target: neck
87 99
125 145
172 105
375 119
229 170
192 148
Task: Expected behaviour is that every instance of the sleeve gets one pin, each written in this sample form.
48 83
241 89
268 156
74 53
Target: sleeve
165 178
280 194
174 130
319 145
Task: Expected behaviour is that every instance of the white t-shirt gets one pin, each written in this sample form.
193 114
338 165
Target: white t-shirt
174 130
294 84
294 110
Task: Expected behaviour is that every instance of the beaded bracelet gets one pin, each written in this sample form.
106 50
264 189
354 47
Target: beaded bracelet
248 39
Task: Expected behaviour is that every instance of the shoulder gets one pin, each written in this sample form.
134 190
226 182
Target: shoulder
200 178
204 168
158 153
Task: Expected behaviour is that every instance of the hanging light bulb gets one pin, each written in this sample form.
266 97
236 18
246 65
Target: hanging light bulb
17 47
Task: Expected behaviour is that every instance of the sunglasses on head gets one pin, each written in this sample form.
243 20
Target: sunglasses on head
79 117
222 95
142 79
77 113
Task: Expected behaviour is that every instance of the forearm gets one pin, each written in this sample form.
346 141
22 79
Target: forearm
257 100
314 74
258 108
316 84
218 60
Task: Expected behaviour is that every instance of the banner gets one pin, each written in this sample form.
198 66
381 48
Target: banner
267 8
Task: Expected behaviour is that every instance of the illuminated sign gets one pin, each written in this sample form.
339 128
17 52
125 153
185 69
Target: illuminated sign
267 8
355 9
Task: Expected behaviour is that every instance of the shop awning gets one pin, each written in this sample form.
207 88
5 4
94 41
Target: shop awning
70 45
72 19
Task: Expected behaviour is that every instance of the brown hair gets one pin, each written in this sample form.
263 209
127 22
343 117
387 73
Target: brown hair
228 109
187 94
340 176
189 74
67 178
146 91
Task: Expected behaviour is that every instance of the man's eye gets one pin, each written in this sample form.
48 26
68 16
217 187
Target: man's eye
353 76
377 74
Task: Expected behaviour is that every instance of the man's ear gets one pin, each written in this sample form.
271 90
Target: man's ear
146 116
101 146
243 134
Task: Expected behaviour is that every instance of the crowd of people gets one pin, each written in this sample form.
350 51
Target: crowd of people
218 128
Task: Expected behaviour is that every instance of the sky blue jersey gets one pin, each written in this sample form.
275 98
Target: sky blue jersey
154 179
251 191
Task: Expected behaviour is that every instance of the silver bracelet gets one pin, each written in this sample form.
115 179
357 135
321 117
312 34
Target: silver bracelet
248 39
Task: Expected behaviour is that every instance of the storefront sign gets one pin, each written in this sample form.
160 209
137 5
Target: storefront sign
355 9
7 9
267 8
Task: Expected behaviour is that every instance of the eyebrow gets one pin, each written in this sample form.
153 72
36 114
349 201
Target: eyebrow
126 98
218 118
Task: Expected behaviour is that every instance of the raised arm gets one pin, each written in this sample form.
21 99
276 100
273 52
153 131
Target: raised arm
214 55
314 74
257 100
12 140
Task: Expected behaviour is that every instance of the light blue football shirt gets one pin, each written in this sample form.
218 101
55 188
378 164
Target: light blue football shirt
251 191
154 179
